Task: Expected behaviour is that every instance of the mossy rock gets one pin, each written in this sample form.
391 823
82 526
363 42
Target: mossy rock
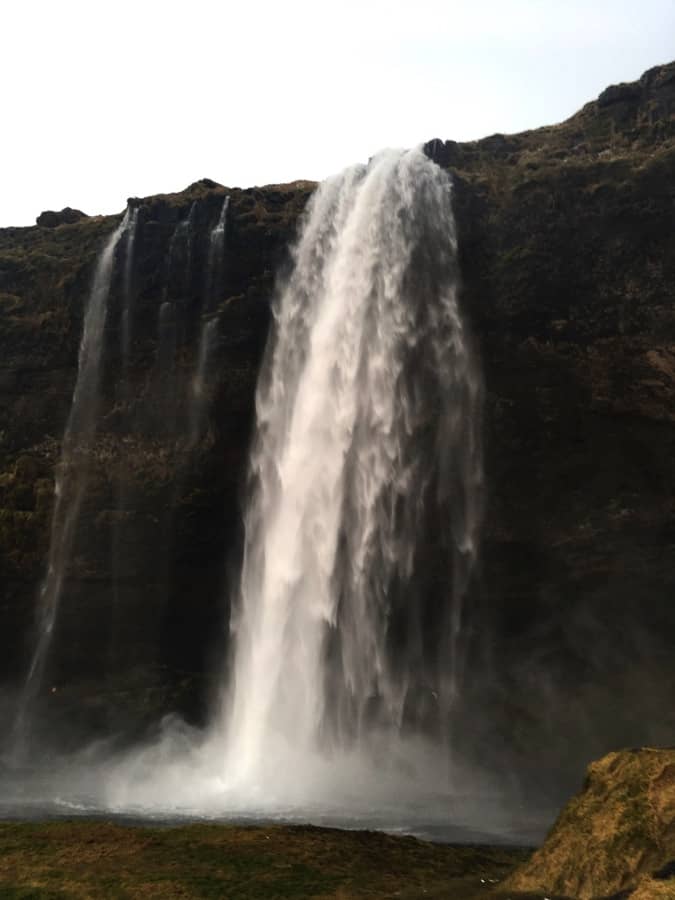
613 836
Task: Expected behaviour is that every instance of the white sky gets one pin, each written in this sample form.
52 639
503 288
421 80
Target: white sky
101 101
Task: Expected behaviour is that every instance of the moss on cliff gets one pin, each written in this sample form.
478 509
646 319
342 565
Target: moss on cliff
618 831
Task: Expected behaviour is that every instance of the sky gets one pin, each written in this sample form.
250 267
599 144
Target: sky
102 101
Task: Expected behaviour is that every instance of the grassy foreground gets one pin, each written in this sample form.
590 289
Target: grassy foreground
59 860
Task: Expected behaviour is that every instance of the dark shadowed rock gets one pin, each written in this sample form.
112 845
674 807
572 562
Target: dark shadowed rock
142 635
67 216
567 249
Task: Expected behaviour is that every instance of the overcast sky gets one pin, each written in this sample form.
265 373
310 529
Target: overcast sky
105 101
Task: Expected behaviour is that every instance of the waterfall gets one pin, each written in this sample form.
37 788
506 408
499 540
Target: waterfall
72 470
209 331
166 392
199 391
166 339
179 258
124 394
127 287
366 466
216 258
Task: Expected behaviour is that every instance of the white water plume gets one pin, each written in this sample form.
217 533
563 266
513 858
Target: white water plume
361 529
368 445
72 470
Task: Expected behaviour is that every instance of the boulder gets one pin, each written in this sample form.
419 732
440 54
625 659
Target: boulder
67 216
616 838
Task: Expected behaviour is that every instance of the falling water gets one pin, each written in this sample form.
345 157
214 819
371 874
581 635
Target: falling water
124 391
71 473
367 457
127 287
179 260
165 337
170 326
209 330
216 258
361 531
199 386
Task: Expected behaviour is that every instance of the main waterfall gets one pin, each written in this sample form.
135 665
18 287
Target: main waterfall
367 452
342 687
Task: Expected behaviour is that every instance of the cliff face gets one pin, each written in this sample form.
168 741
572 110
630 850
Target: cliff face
567 244
144 603
567 237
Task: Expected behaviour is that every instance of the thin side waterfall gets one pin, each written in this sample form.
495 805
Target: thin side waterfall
170 324
72 470
209 331
216 258
124 393
366 466
179 258
127 288
199 393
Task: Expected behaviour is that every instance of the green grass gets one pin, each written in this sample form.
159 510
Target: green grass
60 860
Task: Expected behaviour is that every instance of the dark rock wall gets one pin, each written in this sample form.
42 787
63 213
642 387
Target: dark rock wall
567 242
144 607
567 236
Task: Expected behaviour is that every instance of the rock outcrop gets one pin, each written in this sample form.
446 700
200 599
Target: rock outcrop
67 216
616 838
567 244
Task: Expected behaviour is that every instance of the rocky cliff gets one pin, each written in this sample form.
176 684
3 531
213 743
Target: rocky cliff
145 600
615 839
567 244
568 253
